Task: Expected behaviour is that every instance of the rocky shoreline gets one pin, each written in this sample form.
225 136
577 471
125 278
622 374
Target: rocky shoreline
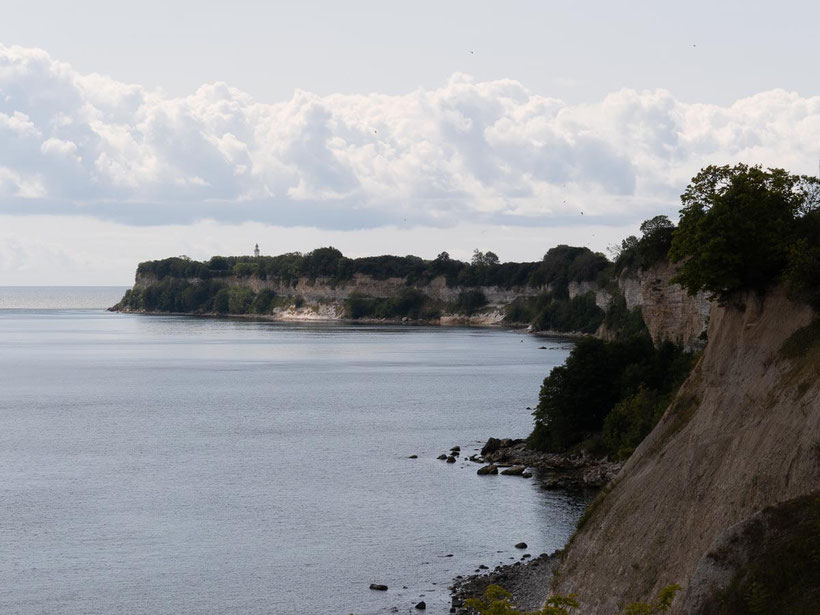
557 471
528 580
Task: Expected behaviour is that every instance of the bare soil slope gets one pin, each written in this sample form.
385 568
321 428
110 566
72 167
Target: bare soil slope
742 434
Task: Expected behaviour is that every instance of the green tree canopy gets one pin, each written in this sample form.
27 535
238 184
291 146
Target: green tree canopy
737 227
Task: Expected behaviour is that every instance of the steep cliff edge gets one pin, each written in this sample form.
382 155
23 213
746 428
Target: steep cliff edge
743 433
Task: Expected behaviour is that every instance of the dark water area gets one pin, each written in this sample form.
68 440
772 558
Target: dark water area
153 464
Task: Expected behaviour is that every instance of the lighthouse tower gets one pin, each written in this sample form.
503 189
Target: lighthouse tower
256 251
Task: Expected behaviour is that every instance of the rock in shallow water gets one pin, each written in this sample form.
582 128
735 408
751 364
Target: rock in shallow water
451 459
521 545
514 471
490 469
378 587
421 605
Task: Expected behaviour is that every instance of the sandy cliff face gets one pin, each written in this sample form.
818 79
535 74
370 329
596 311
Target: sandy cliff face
742 434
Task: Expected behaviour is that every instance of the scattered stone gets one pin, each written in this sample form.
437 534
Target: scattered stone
442 457
378 587
490 469
521 545
413 457
449 555
493 444
421 605
451 459
455 449
527 582
514 471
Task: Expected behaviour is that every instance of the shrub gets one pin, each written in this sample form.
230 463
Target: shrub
577 397
468 302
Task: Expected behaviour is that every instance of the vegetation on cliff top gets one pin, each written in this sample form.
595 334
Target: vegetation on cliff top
746 228
560 266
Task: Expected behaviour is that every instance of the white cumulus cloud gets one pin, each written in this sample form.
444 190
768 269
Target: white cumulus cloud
488 152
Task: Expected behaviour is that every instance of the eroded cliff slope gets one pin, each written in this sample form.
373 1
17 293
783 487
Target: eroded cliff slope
743 433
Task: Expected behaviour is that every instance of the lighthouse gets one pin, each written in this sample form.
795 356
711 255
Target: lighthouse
256 251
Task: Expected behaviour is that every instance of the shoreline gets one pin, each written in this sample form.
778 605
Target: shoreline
528 580
466 321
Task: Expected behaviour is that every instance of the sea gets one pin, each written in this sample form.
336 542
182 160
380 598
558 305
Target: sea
172 464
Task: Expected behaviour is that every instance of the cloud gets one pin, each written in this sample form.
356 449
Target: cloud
482 152
80 250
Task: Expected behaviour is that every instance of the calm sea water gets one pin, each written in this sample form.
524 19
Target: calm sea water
154 464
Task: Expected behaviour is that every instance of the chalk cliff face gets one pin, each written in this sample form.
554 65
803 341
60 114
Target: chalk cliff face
669 312
324 291
742 434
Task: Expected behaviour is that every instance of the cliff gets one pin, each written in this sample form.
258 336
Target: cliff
668 311
742 434
583 308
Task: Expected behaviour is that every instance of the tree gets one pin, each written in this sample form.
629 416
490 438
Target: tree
737 225
657 238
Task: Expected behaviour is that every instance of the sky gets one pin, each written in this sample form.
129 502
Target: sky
134 131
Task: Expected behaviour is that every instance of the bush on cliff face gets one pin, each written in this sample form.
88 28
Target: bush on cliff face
468 302
775 563
578 397
409 303
740 228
